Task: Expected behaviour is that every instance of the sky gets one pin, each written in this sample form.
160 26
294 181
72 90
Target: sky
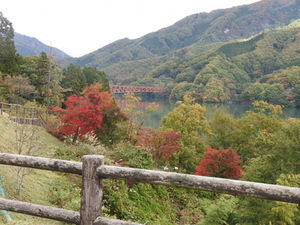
79 27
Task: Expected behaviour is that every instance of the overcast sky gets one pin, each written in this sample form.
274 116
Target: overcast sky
79 27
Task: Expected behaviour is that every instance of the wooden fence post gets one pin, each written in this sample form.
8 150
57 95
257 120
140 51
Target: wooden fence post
92 189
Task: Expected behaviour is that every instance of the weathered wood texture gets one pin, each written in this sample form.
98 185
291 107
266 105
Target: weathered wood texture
53 213
107 221
92 189
22 114
18 110
21 120
93 171
40 211
41 163
233 187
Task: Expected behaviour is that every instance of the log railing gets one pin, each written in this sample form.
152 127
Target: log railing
22 114
93 172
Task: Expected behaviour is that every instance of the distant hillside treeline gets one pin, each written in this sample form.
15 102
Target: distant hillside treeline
203 28
29 46
235 54
265 67
200 56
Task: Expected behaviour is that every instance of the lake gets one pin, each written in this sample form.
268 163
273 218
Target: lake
236 110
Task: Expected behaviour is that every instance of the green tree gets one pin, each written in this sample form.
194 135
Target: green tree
254 133
296 94
260 169
275 155
44 75
92 76
285 149
17 89
222 125
185 88
29 68
284 213
254 92
9 60
215 91
221 211
276 161
258 211
40 78
188 120
73 79
252 211
110 132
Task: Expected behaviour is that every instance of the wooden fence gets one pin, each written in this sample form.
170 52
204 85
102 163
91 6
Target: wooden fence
21 114
93 172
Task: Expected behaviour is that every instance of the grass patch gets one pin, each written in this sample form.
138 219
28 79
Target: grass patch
38 183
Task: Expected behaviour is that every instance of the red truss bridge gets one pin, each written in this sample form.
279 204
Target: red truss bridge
114 89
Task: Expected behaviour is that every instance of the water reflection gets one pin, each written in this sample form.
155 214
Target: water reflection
166 106
236 110
122 104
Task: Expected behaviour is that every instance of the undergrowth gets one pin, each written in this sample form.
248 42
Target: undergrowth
125 200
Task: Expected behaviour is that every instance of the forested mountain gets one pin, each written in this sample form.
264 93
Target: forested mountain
29 46
195 30
260 146
243 53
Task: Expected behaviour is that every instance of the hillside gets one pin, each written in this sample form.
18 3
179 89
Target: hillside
122 200
235 54
195 30
27 46
38 180
263 67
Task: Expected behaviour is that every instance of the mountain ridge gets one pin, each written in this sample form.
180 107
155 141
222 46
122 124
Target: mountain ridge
164 54
29 46
220 25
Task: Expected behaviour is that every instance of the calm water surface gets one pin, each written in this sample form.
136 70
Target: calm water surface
236 110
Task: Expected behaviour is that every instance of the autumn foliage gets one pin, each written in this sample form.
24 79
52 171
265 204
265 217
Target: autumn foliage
83 114
162 144
222 163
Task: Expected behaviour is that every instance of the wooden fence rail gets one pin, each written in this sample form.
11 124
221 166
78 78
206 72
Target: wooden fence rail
22 114
93 172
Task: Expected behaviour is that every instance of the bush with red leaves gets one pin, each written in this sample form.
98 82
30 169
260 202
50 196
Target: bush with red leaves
162 144
222 163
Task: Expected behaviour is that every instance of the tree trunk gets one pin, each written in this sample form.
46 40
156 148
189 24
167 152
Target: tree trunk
75 136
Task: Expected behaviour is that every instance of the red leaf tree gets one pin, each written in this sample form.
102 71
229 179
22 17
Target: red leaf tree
222 163
161 144
83 114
